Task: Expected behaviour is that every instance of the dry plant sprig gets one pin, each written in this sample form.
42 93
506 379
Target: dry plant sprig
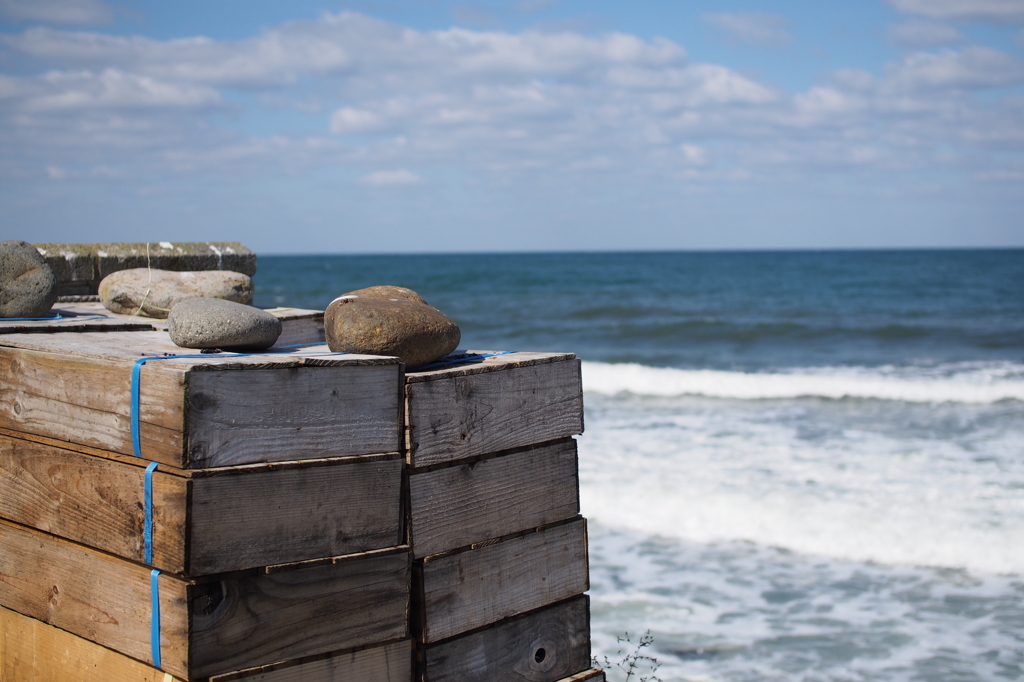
634 663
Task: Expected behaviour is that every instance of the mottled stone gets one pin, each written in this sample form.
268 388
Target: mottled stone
156 291
215 323
27 285
387 292
406 328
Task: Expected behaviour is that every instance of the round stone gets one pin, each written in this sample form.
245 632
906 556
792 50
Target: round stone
386 292
415 332
216 323
153 293
27 285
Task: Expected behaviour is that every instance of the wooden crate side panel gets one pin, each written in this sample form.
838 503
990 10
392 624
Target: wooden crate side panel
542 646
88 401
452 418
471 589
464 504
90 594
388 663
252 620
32 651
241 416
274 517
93 501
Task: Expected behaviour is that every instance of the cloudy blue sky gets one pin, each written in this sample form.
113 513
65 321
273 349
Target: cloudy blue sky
430 125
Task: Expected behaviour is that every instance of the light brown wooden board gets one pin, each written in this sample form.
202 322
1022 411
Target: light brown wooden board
212 411
240 620
32 651
499 403
387 663
466 590
459 505
297 325
592 675
218 521
542 646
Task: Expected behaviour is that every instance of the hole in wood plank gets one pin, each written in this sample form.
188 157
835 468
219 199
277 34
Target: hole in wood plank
540 655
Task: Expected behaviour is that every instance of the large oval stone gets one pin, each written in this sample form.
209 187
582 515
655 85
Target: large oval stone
156 291
415 332
27 285
215 323
386 292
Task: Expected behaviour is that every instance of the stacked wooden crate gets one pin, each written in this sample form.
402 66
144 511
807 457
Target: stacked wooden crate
499 547
214 517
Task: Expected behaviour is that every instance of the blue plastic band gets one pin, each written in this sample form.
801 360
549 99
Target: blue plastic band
147 533
154 619
58 316
456 361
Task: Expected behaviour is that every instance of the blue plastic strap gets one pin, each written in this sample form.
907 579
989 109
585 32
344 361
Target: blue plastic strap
465 358
147 533
154 620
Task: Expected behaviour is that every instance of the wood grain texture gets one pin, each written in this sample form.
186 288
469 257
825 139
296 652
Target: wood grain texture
32 651
253 620
211 521
93 595
501 403
592 675
242 620
466 590
460 505
216 410
542 646
388 663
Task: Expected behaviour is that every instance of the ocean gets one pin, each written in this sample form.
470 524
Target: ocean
796 465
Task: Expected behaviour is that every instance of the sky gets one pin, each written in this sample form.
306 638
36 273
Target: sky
514 125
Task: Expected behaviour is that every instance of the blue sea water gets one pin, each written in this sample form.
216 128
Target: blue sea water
797 465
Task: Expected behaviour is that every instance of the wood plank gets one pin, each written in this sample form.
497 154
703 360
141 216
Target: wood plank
215 522
460 505
298 325
542 646
211 411
466 590
499 403
592 675
32 651
388 663
230 622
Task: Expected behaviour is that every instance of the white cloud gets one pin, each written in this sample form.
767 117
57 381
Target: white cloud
924 34
351 120
392 177
755 28
989 10
80 12
972 67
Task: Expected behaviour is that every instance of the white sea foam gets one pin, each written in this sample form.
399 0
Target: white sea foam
960 383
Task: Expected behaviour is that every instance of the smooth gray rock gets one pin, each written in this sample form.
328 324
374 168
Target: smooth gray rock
215 323
404 327
27 285
125 291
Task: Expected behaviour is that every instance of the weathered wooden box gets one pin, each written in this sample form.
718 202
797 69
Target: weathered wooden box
206 411
32 651
546 645
460 591
211 625
487 402
208 520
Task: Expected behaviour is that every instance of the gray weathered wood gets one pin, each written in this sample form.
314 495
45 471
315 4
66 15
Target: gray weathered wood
499 403
465 590
297 325
387 663
236 621
460 505
541 646
211 411
205 521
